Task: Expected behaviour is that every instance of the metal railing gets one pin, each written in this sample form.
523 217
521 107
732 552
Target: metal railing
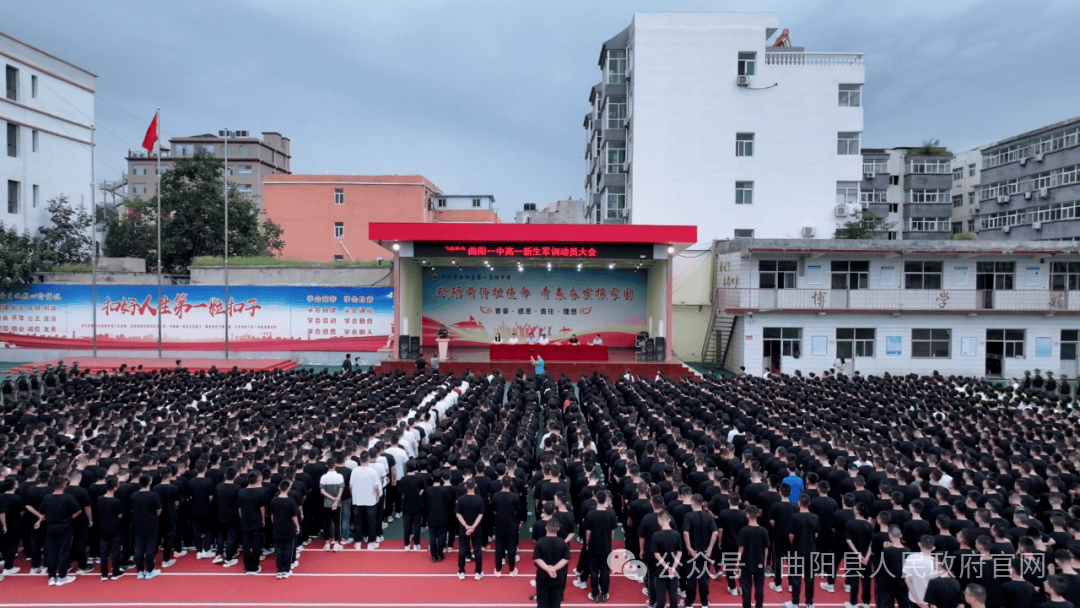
813 59
898 300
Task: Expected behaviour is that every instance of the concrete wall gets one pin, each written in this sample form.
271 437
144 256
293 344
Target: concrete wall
379 276
690 325
411 298
111 278
691 302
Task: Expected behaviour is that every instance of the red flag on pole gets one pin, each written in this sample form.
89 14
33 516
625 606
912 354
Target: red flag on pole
151 136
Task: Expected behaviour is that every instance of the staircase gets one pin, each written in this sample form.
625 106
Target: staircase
718 338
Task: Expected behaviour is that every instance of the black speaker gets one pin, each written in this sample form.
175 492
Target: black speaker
650 345
403 348
414 346
661 348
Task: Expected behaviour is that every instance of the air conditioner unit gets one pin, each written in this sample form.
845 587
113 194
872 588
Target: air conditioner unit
1023 161
1006 229
809 231
1027 195
1044 193
864 205
841 211
869 175
743 81
1036 225
1038 157
1003 198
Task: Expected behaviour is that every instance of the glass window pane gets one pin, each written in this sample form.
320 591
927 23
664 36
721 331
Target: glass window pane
920 334
865 333
768 281
844 333
772 333
920 349
1014 334
789 265
843 349
1070 335
940 349
940 334
1068 351
995 334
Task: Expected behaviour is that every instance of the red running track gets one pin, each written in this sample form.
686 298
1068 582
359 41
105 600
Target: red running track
386 578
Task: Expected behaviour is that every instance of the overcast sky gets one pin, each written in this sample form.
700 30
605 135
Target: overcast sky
488 97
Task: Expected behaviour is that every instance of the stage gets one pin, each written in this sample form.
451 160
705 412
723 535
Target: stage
109 364
477 359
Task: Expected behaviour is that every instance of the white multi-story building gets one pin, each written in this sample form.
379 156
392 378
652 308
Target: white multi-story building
966 170
909 189
47 110
698 120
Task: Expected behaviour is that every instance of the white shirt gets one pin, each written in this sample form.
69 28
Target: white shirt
512 340
543 340
382 465
597 342
920 569
364 483
399 459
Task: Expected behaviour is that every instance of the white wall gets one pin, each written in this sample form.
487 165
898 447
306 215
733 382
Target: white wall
686 109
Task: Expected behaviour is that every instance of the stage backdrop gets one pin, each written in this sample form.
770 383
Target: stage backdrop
193 317
475 304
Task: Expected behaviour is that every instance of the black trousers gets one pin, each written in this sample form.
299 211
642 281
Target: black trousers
667 589
697 580
79 544
366 524
284 553
252 549
168 538
505 544
58 550
549 596
891 592
110 554
436 540
202 531
145 549
9 546
36 545
854 578
332 524
599 575
756 580
227 539
411 524
801 567
475 543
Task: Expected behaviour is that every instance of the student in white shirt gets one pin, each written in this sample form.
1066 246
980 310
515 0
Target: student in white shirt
513 339
598 341
366 484
543 338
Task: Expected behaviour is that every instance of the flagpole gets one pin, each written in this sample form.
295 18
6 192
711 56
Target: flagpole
94 244
225 179
157 135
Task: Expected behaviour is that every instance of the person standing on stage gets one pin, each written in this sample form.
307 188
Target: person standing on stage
552 557
60 510
285 515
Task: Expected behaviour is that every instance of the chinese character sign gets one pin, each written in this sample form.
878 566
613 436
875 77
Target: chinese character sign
475 304
193 317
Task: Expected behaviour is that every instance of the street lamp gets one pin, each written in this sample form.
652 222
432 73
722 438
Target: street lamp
226 133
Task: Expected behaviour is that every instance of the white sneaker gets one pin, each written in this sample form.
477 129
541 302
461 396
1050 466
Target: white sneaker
328 546
379 538
460 576
338 546
479 575
63 581
790 605
581 584
152 574
372 546
498 574
171 562
52 581
385 525
849 605
181 553
39 570
218 559
532 581
514 572
230 563
12 570
828 587
294 566
776 587
359 546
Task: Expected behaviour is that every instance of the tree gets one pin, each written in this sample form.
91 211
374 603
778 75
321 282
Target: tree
965 236
130 235
22 257
930 147
193 223
69 232
866 225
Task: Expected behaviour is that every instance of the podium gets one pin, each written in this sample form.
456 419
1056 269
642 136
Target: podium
444 347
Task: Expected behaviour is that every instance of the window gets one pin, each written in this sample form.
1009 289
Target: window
746 64
744 144
33 86
744 193
922 275
243 189
138 188
744 233
971 198
616 112
873 196
957 200
994 275
36 190
894 208
850 275
138 170
1010 342
165 169
12 139
930 343
855 342
927 165
957 227
957 174
928 224
1065 275
12 74
777 274
12 196
244 170
616 66
971 170
616 156
616 202
877 166
894 180
441 203
847 193
339 196
927 196
847 143
790 339
245 151
339 229
891 235
33 140
475 202
1069 341
850 95
971 225
530 207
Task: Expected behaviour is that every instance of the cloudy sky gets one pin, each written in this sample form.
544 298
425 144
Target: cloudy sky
488 96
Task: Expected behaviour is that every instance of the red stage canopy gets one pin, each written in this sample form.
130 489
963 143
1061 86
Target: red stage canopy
387 233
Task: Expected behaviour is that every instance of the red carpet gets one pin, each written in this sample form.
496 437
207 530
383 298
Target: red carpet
388 577
94 365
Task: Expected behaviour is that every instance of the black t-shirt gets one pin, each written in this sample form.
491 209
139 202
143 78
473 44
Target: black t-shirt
58 509
201 490
145 505
226 495
666 543
282 510
12 505
507 508
551 550
1018 594
805 528
469 507
109 510
251 501
859 532
601 526
440 504
943 593
700 526
170 496
411 487
1061 604
731 522
81 496
753 540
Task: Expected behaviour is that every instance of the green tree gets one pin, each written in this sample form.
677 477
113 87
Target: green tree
965 236
866 225
131 235
22 257
68 234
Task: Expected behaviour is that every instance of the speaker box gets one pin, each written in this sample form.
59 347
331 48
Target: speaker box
404 348
661 347
650 345
414 346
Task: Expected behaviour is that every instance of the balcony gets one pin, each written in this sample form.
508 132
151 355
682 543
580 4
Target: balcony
813 59
968 301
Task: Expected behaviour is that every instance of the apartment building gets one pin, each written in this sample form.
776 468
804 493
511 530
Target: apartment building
46 111
966 172
908 187
697 119
569 211
250 160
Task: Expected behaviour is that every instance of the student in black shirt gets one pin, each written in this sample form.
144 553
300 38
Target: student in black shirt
858 533
60 510
252 501
145 511
439 504
411 488
506 506
226 494
469 512
12 506
82 523
1055 588
804 529
667 549
110 516
285 514
552 557
170 514
729 524
699 535
599 526
201 514
889 576
753 555
943 591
